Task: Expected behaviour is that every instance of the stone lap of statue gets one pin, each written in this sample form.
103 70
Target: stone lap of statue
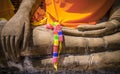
84 39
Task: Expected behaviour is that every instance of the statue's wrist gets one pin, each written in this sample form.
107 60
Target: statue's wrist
23 12
26 6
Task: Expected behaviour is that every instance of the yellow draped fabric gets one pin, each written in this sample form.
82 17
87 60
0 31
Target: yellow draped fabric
6 9
71 13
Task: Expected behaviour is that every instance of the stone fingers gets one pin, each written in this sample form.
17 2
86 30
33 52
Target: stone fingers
16 42
98 30
89 27
12 46
9 47
92 33
4 47
79 44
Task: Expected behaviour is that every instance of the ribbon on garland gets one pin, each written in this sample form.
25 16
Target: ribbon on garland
58 39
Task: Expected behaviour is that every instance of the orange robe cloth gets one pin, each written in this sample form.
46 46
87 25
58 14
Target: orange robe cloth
71 13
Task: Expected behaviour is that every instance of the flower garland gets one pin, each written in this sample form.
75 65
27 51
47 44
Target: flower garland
58 39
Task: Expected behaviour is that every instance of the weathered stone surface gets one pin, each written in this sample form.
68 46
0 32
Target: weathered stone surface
83 51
